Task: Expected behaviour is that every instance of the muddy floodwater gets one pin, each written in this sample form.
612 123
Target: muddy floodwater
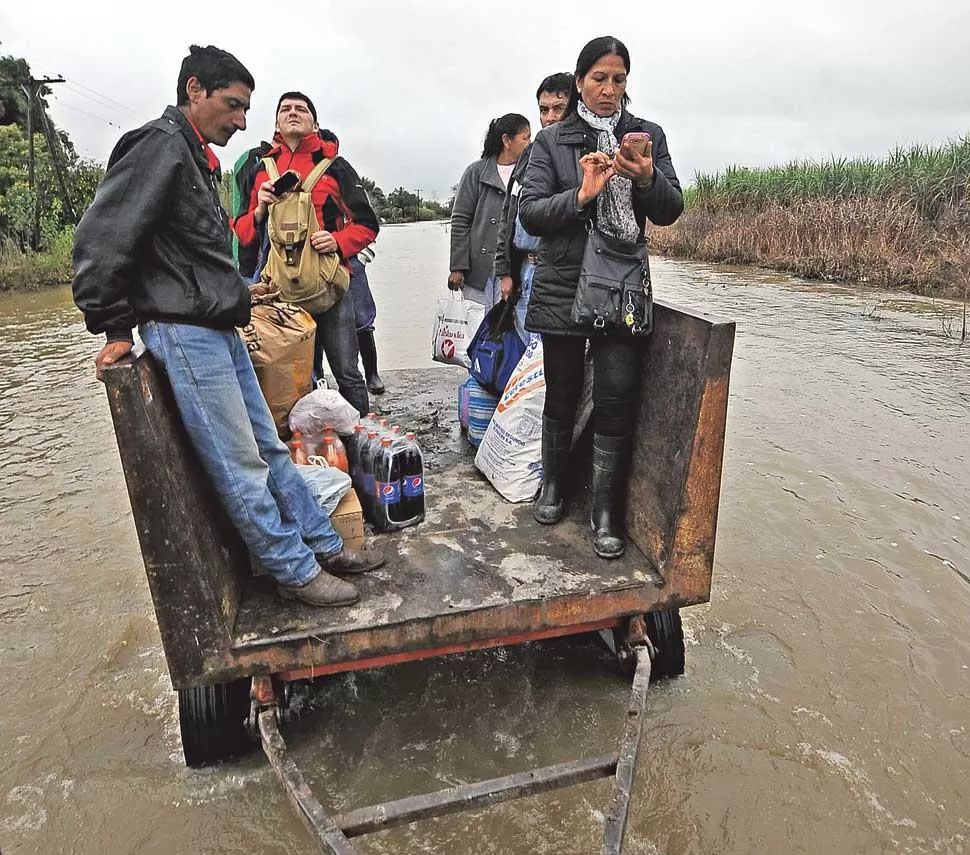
826 704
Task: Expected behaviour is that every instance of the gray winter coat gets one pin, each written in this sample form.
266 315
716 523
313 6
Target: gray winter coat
474 223
548 209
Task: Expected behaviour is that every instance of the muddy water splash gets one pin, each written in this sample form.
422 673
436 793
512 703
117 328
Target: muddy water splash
825 704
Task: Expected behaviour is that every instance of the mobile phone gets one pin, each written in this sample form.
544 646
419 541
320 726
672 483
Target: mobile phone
637 141
286 182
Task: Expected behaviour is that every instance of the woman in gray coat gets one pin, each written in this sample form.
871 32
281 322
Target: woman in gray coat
579 171
478 209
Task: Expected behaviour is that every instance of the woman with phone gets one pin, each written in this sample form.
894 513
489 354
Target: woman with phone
478 208
627 178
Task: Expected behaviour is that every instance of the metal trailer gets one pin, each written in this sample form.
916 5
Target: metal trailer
457 582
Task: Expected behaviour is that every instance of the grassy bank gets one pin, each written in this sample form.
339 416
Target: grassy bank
902 222
33 270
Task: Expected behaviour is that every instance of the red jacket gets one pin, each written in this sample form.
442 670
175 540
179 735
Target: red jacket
341 203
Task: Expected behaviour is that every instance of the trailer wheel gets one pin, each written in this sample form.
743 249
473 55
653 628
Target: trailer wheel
666 633
213 722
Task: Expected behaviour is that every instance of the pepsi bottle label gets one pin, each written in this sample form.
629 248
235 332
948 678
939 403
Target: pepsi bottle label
413 486
389 492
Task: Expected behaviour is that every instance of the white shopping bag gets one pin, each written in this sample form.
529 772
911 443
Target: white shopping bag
455 324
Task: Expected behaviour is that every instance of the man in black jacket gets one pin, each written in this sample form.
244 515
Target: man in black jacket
154 250
515 255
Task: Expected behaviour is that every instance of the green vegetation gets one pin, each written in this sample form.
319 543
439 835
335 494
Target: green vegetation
902 222
37 222
402 206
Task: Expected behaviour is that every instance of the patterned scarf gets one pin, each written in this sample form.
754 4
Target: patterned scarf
614 206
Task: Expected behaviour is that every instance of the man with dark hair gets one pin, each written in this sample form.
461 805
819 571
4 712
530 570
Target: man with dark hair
515 255
153 250
347 225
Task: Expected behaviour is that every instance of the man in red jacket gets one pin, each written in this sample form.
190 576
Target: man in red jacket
348 224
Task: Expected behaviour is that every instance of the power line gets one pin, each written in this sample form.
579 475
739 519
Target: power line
67 106
77 87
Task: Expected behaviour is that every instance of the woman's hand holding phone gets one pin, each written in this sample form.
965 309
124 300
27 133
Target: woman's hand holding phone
634 158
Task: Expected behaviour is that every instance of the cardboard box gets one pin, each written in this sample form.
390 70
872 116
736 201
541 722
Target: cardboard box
348 520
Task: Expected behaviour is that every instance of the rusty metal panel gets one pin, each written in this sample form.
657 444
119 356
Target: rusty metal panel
192 556
305 652
672 495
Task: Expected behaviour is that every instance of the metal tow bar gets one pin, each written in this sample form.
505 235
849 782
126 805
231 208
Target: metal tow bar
333 834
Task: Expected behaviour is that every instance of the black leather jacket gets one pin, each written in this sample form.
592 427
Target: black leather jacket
155 243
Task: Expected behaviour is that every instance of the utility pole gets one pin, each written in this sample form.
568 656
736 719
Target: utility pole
32 90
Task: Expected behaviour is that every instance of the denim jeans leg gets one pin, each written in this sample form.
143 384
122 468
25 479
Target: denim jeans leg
337 336
365 311
522 305
201 366
293 497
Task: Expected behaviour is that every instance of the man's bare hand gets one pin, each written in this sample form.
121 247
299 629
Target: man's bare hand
265 197
323 241
110 353
456 280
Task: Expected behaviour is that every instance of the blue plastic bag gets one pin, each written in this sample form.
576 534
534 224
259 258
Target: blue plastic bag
496 348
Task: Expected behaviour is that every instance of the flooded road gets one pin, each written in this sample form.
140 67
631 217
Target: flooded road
826 705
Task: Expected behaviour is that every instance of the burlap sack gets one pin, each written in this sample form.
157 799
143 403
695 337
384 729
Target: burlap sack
279 339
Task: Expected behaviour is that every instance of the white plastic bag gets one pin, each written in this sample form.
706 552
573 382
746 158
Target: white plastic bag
455 323
510 455
328 484
323 409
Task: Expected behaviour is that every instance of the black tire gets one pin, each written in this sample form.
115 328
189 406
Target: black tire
213 722
666 633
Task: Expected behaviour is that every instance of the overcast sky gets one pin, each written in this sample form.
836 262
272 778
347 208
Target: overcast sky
409 87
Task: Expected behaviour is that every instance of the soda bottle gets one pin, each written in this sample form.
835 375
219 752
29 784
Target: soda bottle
387 479
332 450
297 452
369 452
412 480
354 447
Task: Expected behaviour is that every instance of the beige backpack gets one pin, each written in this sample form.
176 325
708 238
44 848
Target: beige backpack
312 280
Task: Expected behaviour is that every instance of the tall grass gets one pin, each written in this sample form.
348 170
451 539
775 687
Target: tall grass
28 271
903 221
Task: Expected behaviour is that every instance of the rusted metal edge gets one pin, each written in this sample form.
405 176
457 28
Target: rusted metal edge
580 598
480 794
446 650
326 834
629 748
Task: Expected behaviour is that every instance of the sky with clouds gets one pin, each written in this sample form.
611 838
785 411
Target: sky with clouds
409 87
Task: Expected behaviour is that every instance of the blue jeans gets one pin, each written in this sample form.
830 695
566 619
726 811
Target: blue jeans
337 337
233 432
528 274
488 295
365 311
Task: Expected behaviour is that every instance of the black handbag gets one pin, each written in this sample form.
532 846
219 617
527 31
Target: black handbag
614 292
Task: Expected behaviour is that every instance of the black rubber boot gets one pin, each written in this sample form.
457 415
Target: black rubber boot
368 355
609 483
556 440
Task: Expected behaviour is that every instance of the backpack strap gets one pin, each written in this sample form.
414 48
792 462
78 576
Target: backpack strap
270 166
316 174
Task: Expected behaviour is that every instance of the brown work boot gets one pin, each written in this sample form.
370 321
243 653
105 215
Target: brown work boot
322 590
350 563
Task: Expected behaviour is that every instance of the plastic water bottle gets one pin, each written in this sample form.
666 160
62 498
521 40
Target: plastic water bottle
412 481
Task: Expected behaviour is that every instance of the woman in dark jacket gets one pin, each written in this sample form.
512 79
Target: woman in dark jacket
478 208
578 171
